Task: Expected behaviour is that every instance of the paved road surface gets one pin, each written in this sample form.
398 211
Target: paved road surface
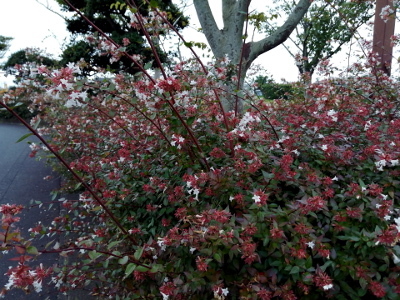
21 180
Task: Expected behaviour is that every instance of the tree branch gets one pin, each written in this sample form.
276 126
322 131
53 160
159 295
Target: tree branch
47 6
208 24
228 10
281 34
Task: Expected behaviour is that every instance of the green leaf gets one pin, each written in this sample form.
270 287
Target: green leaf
308 262
190 120
188 44
383 268
295 270
276 263
36 125
133 10
32 250
153 3
138 253
123 260
24 137
346 288
267 176
142 269
157 268
94 254
363 283
129 269
363 291
112 244
148 65
218 257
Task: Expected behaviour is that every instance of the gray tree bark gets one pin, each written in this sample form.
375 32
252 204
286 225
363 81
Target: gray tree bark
228 41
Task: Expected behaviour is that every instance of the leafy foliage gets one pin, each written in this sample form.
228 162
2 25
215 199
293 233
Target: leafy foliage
4 43
327 26
22 62
182 200
113 19
272 90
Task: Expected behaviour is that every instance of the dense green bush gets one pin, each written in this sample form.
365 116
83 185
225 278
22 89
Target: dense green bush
272 90
182 200
21 105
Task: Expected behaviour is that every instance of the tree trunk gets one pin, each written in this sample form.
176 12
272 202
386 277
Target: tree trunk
383 30
228 41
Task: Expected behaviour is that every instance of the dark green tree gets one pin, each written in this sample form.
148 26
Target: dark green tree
326 27
23 62
4 44
113 20
272 90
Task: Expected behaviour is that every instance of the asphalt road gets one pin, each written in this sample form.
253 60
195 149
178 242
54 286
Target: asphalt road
21 181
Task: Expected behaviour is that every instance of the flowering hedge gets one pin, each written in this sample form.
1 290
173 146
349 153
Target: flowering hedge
182 200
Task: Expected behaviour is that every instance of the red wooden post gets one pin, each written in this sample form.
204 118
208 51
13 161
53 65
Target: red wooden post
382 33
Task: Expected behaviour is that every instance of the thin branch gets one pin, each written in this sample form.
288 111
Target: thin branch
74 174
52 10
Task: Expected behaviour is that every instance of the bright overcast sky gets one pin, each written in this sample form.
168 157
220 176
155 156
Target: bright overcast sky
32 25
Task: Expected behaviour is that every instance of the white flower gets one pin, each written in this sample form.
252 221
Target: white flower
387 218
324 147
74 68
335 178
164 296
231 198
37 285
380 164
34 147
327 287
225 291
247 118
195 192
68 85
367 125
394 162
256 198
397 221
396 259
284 138
386 12
192 249
295 151
161 244
10 282
311 244
333 114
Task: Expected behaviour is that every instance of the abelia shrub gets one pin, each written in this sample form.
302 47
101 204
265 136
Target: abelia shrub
180 199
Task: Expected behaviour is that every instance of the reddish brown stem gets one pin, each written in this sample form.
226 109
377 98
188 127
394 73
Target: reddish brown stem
77 177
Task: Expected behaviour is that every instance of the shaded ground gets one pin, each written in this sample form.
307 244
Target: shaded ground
21 182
